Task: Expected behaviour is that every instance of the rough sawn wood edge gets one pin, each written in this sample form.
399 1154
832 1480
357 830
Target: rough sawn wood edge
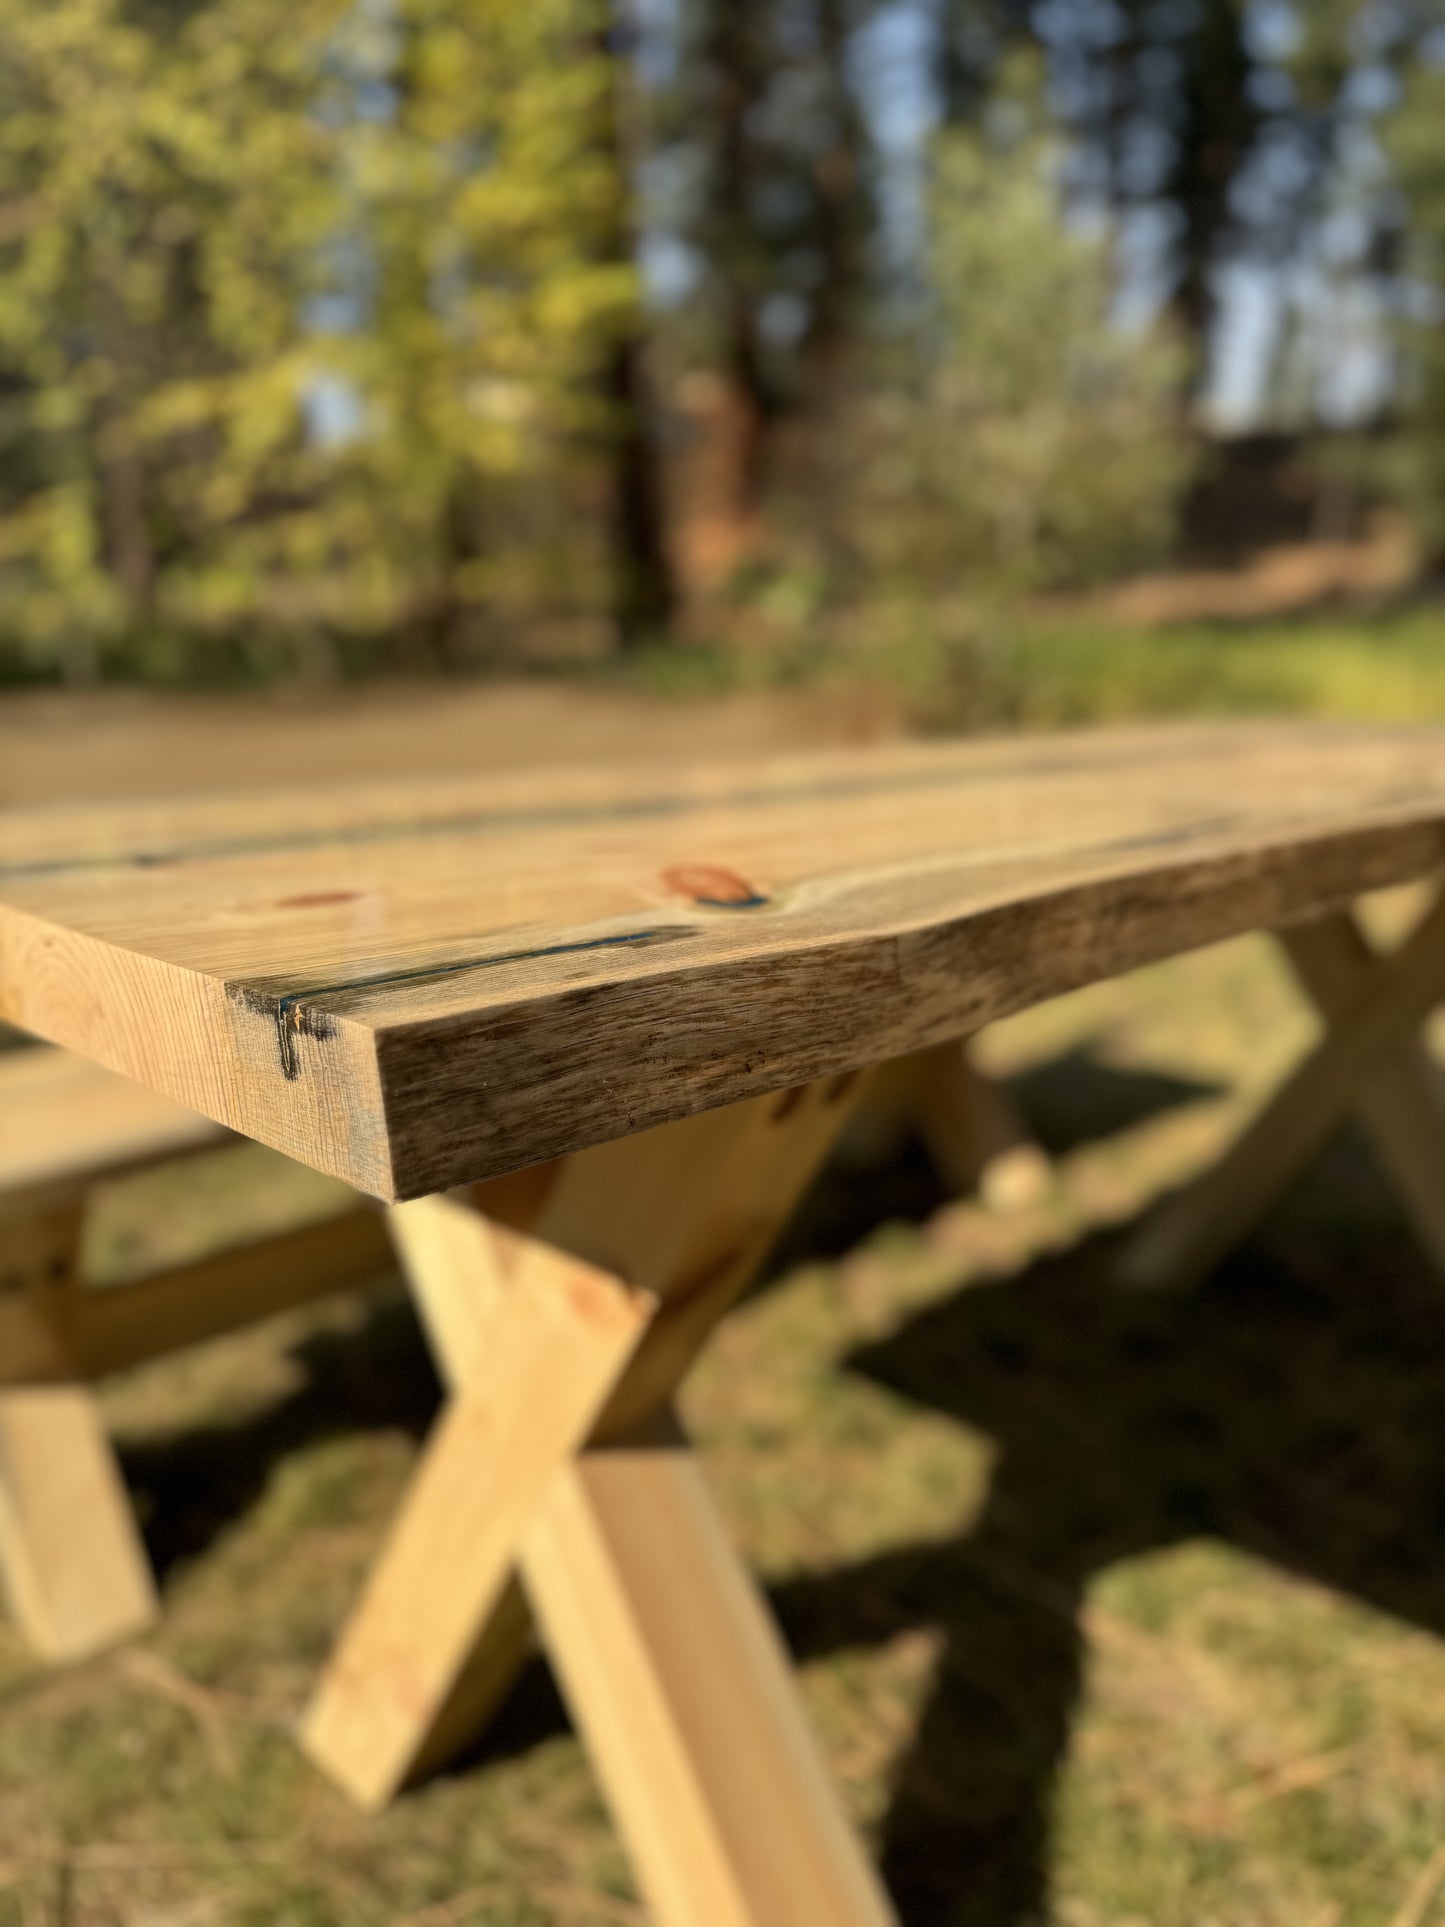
400 1108
475 1094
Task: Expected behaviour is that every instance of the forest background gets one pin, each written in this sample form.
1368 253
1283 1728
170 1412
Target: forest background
351 336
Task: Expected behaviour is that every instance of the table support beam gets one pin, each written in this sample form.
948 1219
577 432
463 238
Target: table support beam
664 1230
74 1566
683 1693
540 1349
975 1138
1368 1059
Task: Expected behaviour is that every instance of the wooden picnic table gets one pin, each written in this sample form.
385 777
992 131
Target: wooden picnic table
600 1027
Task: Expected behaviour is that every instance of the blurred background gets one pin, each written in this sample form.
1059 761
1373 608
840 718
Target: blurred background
401 385
1026 358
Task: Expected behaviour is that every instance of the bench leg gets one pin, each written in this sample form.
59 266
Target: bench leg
413 1672
74 1565
1369 1059
664 1230
72 1560
1401 1102
975 1138
683 1693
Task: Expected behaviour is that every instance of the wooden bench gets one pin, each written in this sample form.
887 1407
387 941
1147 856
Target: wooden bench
71 1560
70 1553
590 1034
66 1125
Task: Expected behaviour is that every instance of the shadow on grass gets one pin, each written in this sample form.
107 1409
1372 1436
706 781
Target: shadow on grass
1290 1407
1079 1098
192 1485
1071 1100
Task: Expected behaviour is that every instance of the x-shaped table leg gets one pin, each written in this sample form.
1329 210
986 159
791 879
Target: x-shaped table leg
1369 1060
557 1461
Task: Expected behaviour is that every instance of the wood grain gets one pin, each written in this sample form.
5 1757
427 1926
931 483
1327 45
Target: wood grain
418 985
1402 1101
1196 1227
556 1334
75 1570
66 1123
683 1692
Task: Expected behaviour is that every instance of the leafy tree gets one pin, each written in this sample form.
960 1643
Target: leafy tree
771 190
491 290
163 190
1031 442
306 313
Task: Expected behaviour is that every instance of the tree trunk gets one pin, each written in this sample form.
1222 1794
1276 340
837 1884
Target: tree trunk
746 414
129 552
644 584
1216 131
645 597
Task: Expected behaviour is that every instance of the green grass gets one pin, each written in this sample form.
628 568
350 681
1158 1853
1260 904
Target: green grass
1015 671
1110 1611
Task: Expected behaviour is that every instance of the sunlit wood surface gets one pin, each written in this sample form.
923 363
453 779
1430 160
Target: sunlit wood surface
419 983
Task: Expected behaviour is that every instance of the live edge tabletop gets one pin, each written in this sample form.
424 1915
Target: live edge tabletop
420 984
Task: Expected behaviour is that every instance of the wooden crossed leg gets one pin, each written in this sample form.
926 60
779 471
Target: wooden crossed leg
974 1138
565 1306
1369 1060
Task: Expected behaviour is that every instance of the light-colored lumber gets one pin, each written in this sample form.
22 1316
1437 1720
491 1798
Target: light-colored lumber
1401 1100
677 1221
423 984
109 1331
558 1333
1183 1241
74 1567
683 1693
688 1212
65 1123
971 1132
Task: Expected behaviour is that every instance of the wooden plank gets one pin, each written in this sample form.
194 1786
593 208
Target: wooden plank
688 1212
66 1121
109 1331
74 1567
558 1334
682 1691
685 1215
421 985
972 1133
57 746
1401 1100
1189 1234
71 1557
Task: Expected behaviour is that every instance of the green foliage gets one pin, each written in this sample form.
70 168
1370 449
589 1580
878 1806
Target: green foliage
1032 441
209 218
1416 460
162 191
